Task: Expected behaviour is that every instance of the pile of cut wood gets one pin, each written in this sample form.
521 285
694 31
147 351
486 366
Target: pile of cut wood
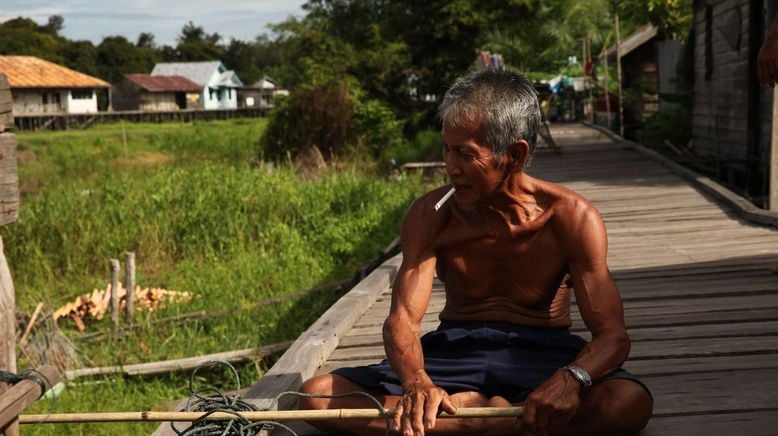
98 303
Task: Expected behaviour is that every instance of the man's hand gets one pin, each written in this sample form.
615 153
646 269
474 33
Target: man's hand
552 404
767 61
418 408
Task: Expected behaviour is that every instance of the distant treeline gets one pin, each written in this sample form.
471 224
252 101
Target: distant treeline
388 47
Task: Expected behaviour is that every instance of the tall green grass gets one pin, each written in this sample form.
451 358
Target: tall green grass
203 214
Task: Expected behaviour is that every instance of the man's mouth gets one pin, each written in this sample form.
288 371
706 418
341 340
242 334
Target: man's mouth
460 187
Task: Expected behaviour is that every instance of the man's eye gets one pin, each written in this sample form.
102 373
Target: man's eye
465 152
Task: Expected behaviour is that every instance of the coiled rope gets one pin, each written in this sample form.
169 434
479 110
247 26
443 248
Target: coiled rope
211 400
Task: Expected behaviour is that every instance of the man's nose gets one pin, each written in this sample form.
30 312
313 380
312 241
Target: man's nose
452 165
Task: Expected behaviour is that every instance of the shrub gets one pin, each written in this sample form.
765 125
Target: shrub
319 114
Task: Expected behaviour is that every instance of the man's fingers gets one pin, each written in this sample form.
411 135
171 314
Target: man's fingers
542 419
448 406
431 411
416 418
397 418
528 418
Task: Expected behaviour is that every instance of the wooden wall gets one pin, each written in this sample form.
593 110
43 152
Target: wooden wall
723 90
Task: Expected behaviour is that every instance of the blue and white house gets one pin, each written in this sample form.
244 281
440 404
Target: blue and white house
220 85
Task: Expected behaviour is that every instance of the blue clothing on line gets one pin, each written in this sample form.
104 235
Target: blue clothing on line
491 358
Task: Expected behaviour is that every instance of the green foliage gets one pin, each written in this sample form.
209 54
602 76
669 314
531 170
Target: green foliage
378 127
116 56
319 114
202 216
673 124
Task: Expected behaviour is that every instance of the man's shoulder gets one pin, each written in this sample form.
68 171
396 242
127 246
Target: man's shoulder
564 200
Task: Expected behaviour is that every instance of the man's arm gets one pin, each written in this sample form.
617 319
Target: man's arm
418 408
584 243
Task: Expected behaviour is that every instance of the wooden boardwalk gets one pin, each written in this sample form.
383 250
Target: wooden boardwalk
701 303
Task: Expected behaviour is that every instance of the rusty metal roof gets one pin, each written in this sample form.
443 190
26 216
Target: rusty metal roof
32 72
163 83
637 38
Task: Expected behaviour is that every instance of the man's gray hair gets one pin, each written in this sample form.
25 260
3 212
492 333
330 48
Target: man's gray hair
504 101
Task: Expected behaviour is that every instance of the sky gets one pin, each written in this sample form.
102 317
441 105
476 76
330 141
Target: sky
96 19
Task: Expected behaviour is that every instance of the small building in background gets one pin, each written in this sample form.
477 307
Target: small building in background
39 87
143 92
648 72
218 85
260 94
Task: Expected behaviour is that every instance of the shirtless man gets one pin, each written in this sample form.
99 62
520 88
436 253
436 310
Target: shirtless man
508 248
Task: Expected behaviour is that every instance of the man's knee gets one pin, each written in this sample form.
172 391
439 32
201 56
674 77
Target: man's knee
317 385
624 404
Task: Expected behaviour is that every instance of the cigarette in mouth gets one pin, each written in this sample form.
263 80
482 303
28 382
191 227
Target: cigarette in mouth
445 198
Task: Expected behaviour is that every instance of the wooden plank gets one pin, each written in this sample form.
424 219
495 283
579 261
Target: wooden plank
22 394
751 423
715 391
9 182
6 105
7 332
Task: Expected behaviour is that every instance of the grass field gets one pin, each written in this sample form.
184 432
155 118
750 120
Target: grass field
204 214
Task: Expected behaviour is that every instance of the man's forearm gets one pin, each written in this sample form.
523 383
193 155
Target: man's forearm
403 351
606 352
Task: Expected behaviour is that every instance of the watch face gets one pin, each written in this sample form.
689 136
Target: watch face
581 375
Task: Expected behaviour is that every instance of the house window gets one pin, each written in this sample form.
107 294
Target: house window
210 93
45 98
229 93
81 94
55 98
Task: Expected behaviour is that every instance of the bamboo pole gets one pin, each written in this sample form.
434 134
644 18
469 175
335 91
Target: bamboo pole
129 285
187 363
607 91
115 295
17 398
772 202
269 415
618 72
31 324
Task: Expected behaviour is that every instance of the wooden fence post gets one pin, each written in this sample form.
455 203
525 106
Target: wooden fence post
9 207
115 295
129 266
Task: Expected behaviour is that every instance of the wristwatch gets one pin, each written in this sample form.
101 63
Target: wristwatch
580 374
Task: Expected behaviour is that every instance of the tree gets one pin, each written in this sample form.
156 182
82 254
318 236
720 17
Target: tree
55 24
146 40
116 56
241 57
194 44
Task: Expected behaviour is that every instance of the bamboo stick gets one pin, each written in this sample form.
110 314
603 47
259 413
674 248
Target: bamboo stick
269 415
30 324
115 295
129 285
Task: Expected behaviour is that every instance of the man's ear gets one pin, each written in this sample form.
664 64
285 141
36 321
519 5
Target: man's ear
517 154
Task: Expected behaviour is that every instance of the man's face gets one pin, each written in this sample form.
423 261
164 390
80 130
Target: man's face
470 165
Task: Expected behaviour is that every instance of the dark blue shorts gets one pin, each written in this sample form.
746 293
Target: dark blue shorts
491 358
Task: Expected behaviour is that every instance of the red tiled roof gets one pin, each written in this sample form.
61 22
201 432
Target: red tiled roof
32 72
163 83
